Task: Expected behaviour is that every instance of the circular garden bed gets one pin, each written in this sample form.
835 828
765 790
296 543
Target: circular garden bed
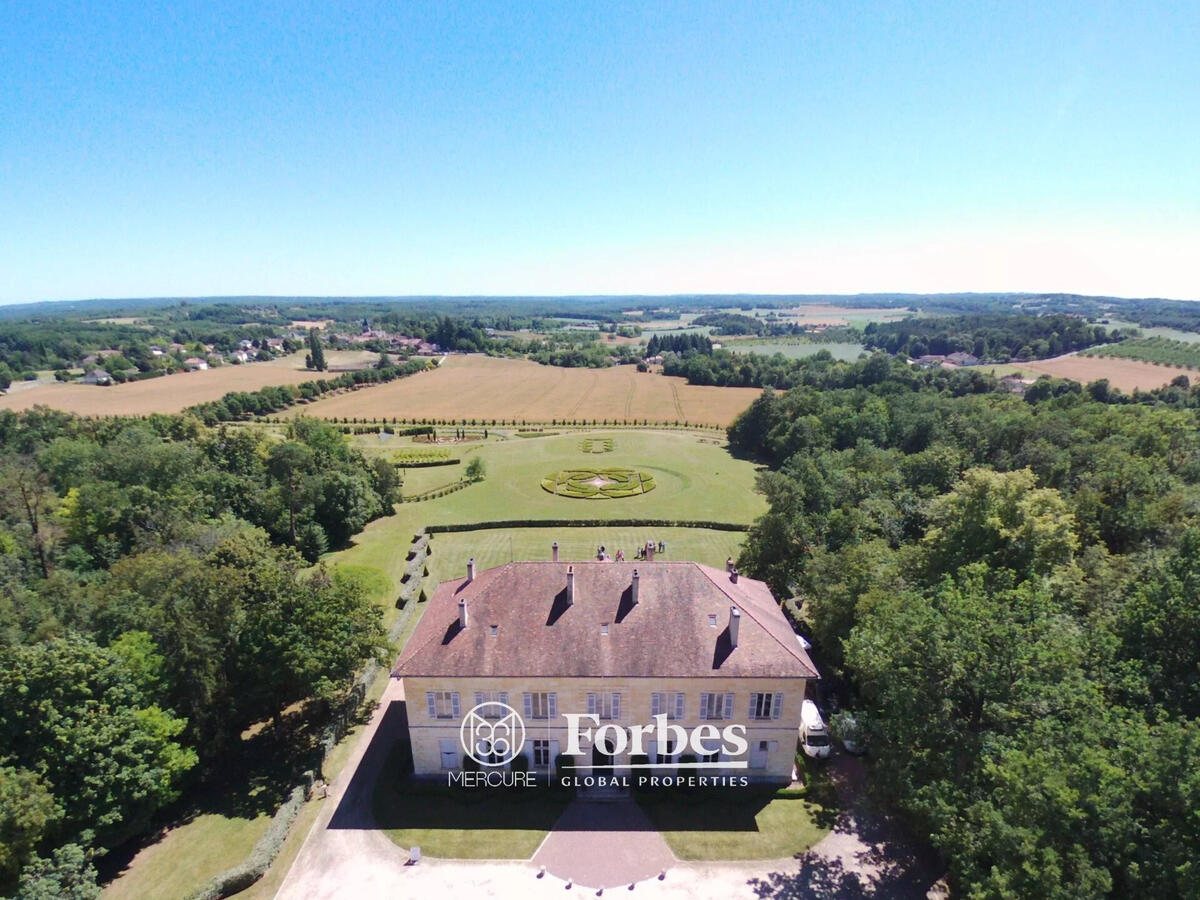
598 484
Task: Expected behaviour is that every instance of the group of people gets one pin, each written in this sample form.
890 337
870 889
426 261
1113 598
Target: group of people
646 551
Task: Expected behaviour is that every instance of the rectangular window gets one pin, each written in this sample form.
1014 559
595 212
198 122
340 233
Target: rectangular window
604 705
765 706
442 704
541 754
541 705
488 700
669 702
716 706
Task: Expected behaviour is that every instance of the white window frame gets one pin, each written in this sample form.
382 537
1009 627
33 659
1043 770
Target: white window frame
490 697
670 702
540 705
605 705
716 707
443 704
765 705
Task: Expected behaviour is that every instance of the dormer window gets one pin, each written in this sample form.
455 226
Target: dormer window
604 628
712 621
493 630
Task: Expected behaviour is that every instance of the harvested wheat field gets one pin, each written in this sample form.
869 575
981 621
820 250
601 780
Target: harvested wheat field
483 387
171 393
1125 374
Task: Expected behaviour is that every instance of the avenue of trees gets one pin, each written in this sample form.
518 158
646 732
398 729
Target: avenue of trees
1004 588
154 604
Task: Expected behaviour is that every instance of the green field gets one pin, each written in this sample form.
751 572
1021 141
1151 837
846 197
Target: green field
1159 350
795 349
695 477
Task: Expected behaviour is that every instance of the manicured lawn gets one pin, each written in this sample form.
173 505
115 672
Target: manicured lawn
695 478
467 823
745 824
187 857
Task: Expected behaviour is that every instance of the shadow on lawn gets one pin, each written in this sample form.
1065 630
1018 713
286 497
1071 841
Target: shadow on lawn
250 780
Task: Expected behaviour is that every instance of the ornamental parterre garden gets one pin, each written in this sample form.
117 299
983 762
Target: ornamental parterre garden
598 484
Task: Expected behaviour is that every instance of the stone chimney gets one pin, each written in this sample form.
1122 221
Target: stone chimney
650 552
636 583
471 569
729 564
570 585
735 619
462 613
554 552
733 574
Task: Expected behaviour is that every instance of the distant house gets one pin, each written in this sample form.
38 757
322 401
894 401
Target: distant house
97 376
156 351
194 363
427 349
241 356
90 360
1014 383
653 360
930 361
245 343
963 359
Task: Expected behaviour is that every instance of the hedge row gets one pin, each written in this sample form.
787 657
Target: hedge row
585 523
425 463
237 405
256 864
436 492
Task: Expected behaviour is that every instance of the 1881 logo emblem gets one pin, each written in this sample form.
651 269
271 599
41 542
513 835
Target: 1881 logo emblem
492 734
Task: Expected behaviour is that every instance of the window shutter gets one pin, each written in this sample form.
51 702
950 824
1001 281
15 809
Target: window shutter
432 702
774 746
478 697
777 706
552 705
553 754
655 704
591 709
454 708
679 705
729 706
504 697
616 706
753 703
704 706
528 705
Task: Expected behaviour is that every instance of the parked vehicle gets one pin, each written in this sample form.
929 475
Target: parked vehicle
814 736
847 730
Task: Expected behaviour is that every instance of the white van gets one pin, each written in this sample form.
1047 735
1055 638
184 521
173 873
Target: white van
814 736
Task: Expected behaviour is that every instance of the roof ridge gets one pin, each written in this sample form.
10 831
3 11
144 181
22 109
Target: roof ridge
792 649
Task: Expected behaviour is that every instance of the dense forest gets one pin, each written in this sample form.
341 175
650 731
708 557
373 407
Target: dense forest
1004 588
154 603
990 338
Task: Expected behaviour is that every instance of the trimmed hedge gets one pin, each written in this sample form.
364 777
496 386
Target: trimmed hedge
240 877
585 523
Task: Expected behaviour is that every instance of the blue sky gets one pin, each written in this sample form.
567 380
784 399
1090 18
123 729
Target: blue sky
449 148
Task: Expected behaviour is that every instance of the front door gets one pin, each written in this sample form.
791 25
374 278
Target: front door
600 758
449 750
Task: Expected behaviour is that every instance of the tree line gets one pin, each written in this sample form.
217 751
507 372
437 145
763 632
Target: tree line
995 338
1004 588
155 602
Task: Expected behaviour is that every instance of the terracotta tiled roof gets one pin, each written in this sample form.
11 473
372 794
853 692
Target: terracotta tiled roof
667 633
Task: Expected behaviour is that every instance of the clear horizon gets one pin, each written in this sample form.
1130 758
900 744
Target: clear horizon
460 149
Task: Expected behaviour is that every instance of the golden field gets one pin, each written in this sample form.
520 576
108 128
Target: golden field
1125 374
482 387
172 393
